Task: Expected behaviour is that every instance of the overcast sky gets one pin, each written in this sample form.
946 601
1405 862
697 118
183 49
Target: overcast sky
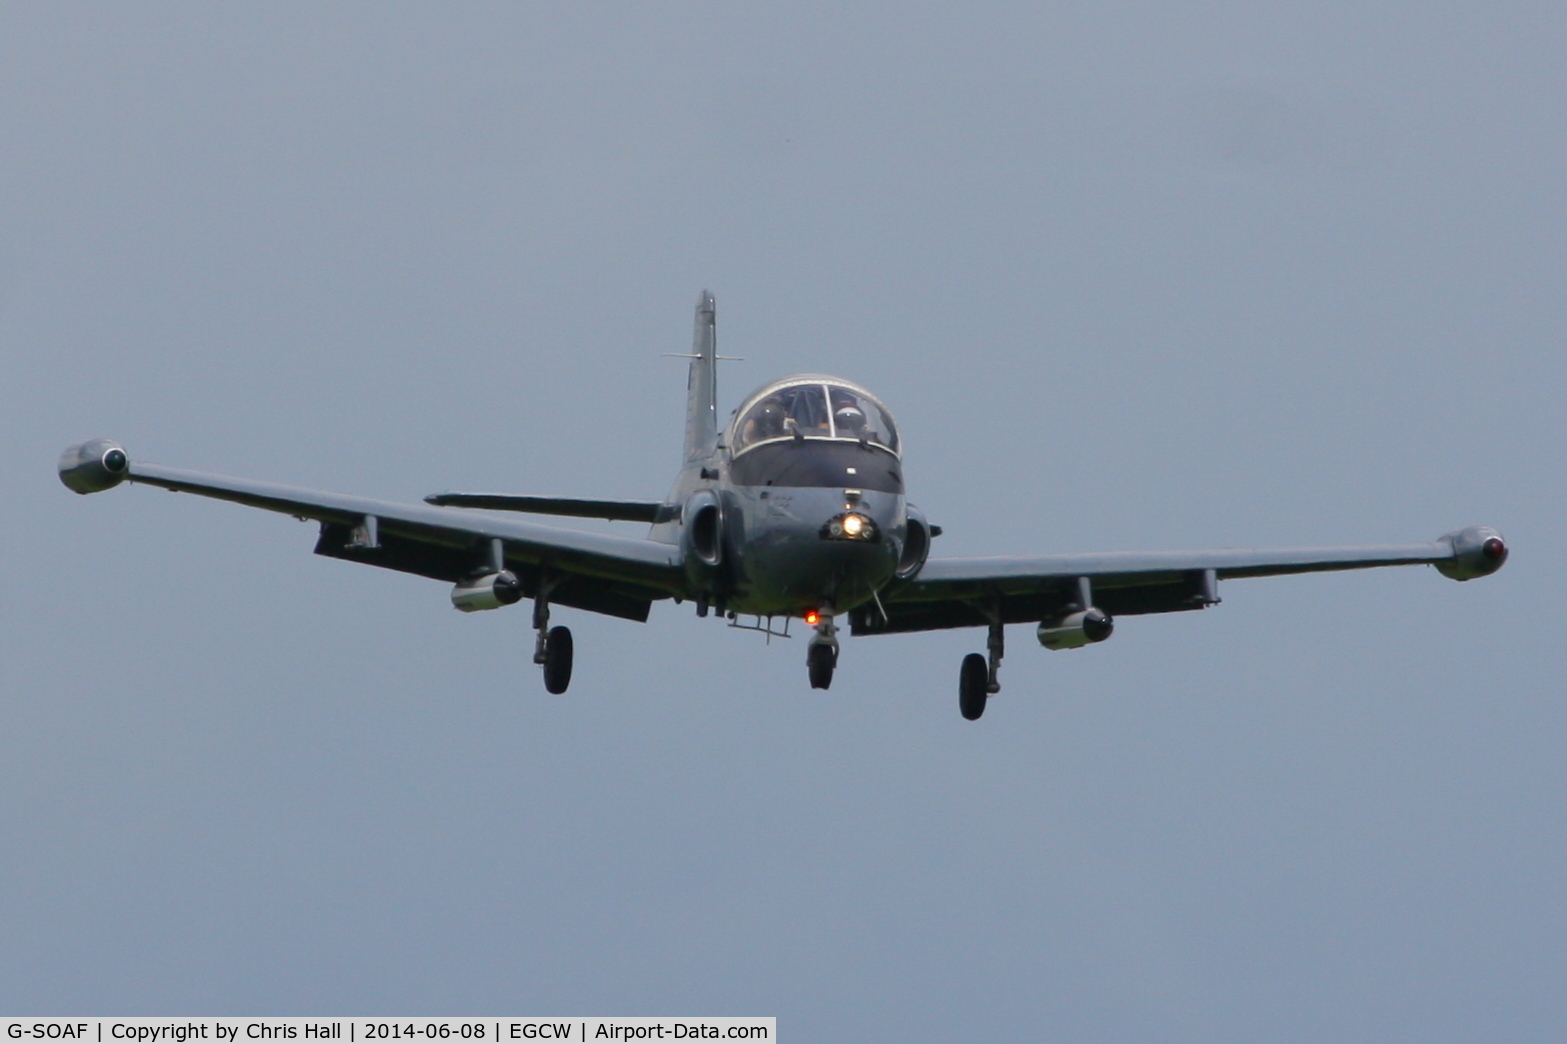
1131 276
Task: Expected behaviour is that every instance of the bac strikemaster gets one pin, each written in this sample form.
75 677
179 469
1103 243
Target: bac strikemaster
797 511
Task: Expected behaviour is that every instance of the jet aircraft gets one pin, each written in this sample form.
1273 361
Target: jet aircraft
795 511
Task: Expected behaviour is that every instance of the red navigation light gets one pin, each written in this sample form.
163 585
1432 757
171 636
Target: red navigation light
1494 549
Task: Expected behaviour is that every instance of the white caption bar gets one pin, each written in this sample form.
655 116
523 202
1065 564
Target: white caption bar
491 1030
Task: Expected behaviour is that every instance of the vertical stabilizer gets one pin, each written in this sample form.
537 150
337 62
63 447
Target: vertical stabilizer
702 385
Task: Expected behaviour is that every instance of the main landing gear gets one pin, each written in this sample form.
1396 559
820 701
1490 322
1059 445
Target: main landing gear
552 647
977 678
821 656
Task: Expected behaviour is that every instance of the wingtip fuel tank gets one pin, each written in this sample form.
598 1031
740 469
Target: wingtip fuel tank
94 466
1477 551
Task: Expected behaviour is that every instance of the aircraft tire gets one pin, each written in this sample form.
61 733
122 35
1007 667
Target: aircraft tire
820 661
557 660
973 682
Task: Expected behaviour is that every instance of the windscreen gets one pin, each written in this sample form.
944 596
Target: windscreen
815 410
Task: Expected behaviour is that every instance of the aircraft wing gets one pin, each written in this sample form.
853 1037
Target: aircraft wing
967 592
601 572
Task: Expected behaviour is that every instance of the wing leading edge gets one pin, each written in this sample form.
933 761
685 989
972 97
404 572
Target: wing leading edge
600 572
970 592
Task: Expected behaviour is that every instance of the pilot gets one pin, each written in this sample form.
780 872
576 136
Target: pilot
849 418
765 422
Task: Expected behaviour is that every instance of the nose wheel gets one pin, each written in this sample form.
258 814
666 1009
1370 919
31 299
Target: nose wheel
819 661
821 656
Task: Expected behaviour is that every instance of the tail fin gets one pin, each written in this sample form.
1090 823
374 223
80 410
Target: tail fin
702 385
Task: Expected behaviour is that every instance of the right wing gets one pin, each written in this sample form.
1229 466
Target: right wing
969 592
600 572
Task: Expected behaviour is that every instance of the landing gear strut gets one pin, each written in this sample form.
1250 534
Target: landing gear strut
552 647
821 656
978 678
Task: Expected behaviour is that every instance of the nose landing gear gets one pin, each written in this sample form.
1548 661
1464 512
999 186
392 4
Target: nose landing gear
821 656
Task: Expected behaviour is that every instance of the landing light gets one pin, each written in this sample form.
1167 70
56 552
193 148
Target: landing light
851 525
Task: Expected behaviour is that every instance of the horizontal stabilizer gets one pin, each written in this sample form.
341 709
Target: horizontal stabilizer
615 510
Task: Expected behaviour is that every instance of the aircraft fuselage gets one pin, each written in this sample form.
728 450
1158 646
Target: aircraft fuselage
805 503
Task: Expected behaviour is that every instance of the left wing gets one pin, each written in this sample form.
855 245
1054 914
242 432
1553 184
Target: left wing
972 592
601 572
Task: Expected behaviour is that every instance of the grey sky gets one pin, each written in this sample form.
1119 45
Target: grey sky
1131 276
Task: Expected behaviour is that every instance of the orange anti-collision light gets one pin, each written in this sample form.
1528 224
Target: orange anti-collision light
812 616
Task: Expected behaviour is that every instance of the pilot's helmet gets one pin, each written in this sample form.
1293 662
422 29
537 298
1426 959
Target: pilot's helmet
849 418
768 420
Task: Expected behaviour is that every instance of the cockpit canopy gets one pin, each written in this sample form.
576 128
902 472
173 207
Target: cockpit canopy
808 406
